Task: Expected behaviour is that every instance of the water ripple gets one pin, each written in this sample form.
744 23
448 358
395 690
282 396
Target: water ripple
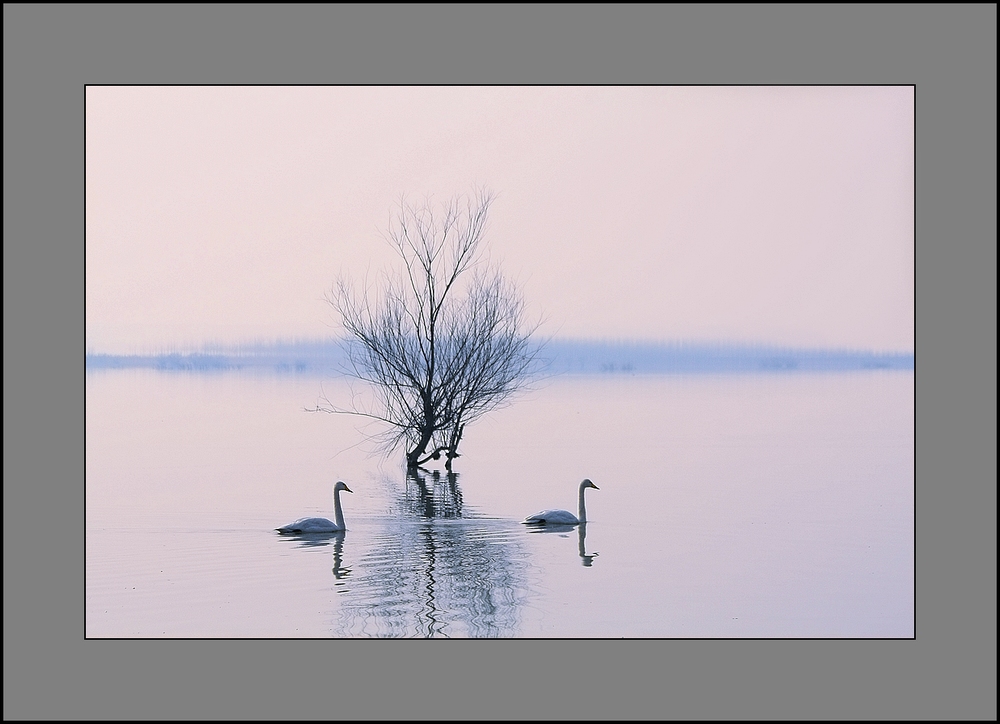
436 579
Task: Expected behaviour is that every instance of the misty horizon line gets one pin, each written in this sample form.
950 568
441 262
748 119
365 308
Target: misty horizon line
557 355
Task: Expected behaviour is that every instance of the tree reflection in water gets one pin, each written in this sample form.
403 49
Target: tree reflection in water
436 573
435 498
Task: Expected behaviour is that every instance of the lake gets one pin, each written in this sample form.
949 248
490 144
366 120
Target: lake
758 505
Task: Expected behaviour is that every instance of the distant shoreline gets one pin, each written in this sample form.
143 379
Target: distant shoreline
558 357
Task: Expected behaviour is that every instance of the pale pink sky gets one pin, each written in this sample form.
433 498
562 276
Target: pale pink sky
760 214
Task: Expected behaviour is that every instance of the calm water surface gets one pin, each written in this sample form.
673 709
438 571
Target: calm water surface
729 506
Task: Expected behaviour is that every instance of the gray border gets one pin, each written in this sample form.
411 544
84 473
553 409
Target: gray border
51 51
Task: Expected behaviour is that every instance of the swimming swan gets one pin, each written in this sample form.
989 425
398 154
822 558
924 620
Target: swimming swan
562 517
321 525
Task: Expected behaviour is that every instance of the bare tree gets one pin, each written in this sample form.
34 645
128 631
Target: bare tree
443 341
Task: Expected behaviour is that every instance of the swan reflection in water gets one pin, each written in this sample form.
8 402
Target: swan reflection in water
315 540
587 559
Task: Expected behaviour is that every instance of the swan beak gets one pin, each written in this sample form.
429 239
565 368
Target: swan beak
348 489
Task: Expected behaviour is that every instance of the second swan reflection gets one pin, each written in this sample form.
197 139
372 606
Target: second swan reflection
587 559
314 540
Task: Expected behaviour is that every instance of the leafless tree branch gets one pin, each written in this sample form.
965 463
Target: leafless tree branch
444 341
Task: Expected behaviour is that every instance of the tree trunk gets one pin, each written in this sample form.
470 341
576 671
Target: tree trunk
414 455
456 438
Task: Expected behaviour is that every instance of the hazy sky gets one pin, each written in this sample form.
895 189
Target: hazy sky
759 214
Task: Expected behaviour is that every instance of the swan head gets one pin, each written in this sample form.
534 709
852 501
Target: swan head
588 484
341 485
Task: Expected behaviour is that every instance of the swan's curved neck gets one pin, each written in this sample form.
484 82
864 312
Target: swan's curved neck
583 509
338 512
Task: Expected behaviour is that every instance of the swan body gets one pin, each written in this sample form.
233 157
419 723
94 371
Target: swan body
321 525
562 517
553 517
310 525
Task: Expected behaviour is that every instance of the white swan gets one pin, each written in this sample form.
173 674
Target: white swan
321 525
562 517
